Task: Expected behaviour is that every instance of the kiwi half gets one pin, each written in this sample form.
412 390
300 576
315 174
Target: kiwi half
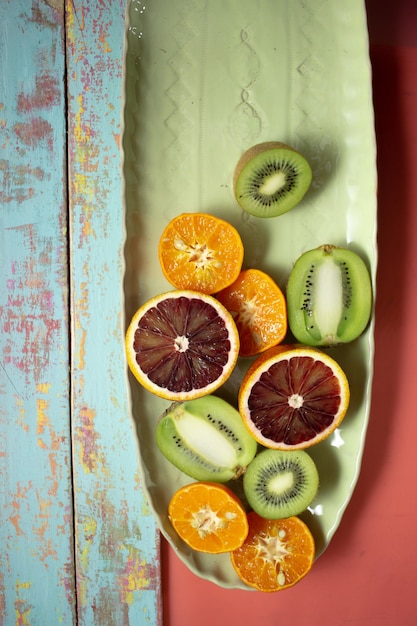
329 296
270 179
281 483
206 439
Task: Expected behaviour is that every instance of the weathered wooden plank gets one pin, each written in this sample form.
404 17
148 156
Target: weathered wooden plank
36 548
117 550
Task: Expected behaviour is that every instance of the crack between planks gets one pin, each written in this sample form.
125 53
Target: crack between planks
70 300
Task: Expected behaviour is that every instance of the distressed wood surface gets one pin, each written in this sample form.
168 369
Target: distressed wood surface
78 543
37 565
116 537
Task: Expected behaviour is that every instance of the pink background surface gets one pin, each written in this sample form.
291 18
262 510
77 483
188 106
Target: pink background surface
367 575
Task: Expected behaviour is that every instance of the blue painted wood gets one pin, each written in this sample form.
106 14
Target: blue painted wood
117 543
68 456
36 539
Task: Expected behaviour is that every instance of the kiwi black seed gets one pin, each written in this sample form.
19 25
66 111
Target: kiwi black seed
281 483
206 439
329 296
270 179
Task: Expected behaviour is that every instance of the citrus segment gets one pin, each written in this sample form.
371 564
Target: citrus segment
182 345
208 517
276 554
201 252
259 309
293 397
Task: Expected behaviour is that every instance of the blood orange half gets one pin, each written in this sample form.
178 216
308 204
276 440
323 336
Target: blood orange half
293 397
182 345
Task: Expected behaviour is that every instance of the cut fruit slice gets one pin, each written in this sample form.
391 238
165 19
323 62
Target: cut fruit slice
182 345
270 179
259 309
276 554
206 439
281 483
293 397
329 296
209 517
200 252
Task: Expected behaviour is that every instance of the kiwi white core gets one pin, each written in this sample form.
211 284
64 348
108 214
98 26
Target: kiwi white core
272 184
328 298
281 483
207 439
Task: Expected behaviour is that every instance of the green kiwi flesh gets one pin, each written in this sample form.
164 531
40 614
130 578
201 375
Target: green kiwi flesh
206 439
281 483
329 296
270 179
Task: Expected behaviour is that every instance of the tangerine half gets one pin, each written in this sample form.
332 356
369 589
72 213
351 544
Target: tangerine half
201 252
276 554
293 397
182 345
259 309
209 517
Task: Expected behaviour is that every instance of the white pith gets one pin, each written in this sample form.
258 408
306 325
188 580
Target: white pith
206 440
328 298
295 401
248 316
272 184
206 521
273 549
181 344
248 311
199 253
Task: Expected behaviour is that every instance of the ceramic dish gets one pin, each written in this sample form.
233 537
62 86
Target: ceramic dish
203 81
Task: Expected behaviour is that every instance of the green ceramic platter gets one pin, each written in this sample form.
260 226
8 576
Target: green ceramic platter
203 81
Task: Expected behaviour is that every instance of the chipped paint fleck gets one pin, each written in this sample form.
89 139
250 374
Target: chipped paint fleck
137 575
22 605
36 498
91 485
87 439
33 132
47 93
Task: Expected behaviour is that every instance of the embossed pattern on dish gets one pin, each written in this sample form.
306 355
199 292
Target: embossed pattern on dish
203 81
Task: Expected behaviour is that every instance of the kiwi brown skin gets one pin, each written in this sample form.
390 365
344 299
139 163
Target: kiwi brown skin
281 483
272 207
252 152
329 296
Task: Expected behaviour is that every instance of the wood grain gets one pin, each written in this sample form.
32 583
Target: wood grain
36 508
79 544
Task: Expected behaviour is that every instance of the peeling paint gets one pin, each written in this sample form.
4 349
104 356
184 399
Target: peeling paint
87 440
115 542
37 571
33 132
47 93
22 606
17 181
28 317
137 575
